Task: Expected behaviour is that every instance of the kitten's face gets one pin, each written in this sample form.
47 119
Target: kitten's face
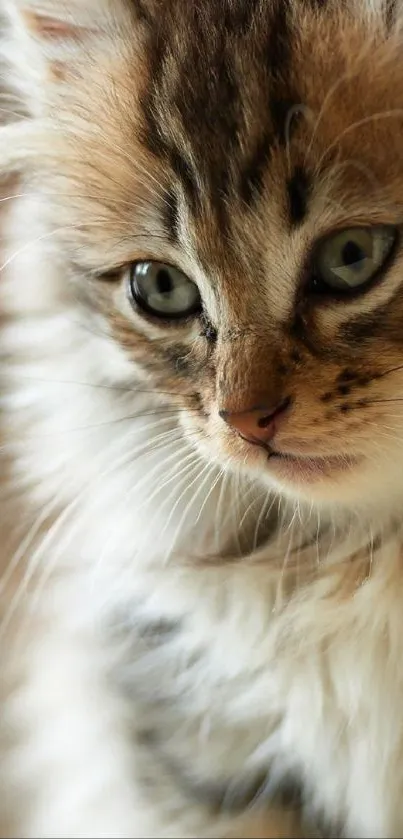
253 149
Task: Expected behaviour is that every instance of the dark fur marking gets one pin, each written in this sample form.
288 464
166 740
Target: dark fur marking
185 174
234 795
149 133
238 17
390 13
363 327
157 632
316 4
344 390
208 331
326 397
300 331
141 10
200 85
171 216
381 322
298 327
298 188
178 356
208 103
195 401
345 407
346 375
279 56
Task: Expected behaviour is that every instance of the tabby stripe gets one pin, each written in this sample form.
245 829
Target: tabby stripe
171 216
298 187
390 13
364 326
281 99
140 10
185 174
238 17
279 59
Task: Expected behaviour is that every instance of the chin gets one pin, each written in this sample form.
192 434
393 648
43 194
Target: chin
360 484
325 490
315 478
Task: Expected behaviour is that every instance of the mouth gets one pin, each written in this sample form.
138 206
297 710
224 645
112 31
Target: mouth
309 468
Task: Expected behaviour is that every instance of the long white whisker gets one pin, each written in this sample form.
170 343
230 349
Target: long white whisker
393 113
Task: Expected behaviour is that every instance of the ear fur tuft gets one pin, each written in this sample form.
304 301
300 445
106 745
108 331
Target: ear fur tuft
43 39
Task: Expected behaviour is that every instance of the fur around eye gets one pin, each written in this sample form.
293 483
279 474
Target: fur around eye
349 260
163 291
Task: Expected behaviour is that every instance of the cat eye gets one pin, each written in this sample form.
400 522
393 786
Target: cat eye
349 260
163 291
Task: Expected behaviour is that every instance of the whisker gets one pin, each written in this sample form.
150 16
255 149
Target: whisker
392 114
389 371
209 468
361 167
190 469
46 544
19 554
155 412
97 385
382 401
44 236
347 76
226 479
173 474
211 490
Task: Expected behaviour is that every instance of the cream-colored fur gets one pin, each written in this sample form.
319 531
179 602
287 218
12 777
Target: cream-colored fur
139 675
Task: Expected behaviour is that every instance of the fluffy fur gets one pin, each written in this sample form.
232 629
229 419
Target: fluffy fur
195 642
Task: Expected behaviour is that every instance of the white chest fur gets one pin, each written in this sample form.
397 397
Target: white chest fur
156 685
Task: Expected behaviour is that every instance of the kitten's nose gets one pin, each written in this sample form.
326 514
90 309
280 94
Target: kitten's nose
257 425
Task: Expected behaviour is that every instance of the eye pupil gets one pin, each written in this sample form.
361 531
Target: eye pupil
163 282
352 253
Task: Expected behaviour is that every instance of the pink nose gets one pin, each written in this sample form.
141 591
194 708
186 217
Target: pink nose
257 425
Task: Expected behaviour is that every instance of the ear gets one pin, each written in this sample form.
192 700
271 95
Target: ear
45 40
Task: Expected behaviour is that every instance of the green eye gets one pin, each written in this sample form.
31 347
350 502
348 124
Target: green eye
163 291
349 260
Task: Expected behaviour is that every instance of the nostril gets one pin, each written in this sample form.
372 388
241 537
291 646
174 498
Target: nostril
264 422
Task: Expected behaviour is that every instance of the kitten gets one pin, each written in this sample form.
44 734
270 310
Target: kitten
202 342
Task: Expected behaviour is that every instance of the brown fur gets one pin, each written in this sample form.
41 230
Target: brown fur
169 130
228 139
